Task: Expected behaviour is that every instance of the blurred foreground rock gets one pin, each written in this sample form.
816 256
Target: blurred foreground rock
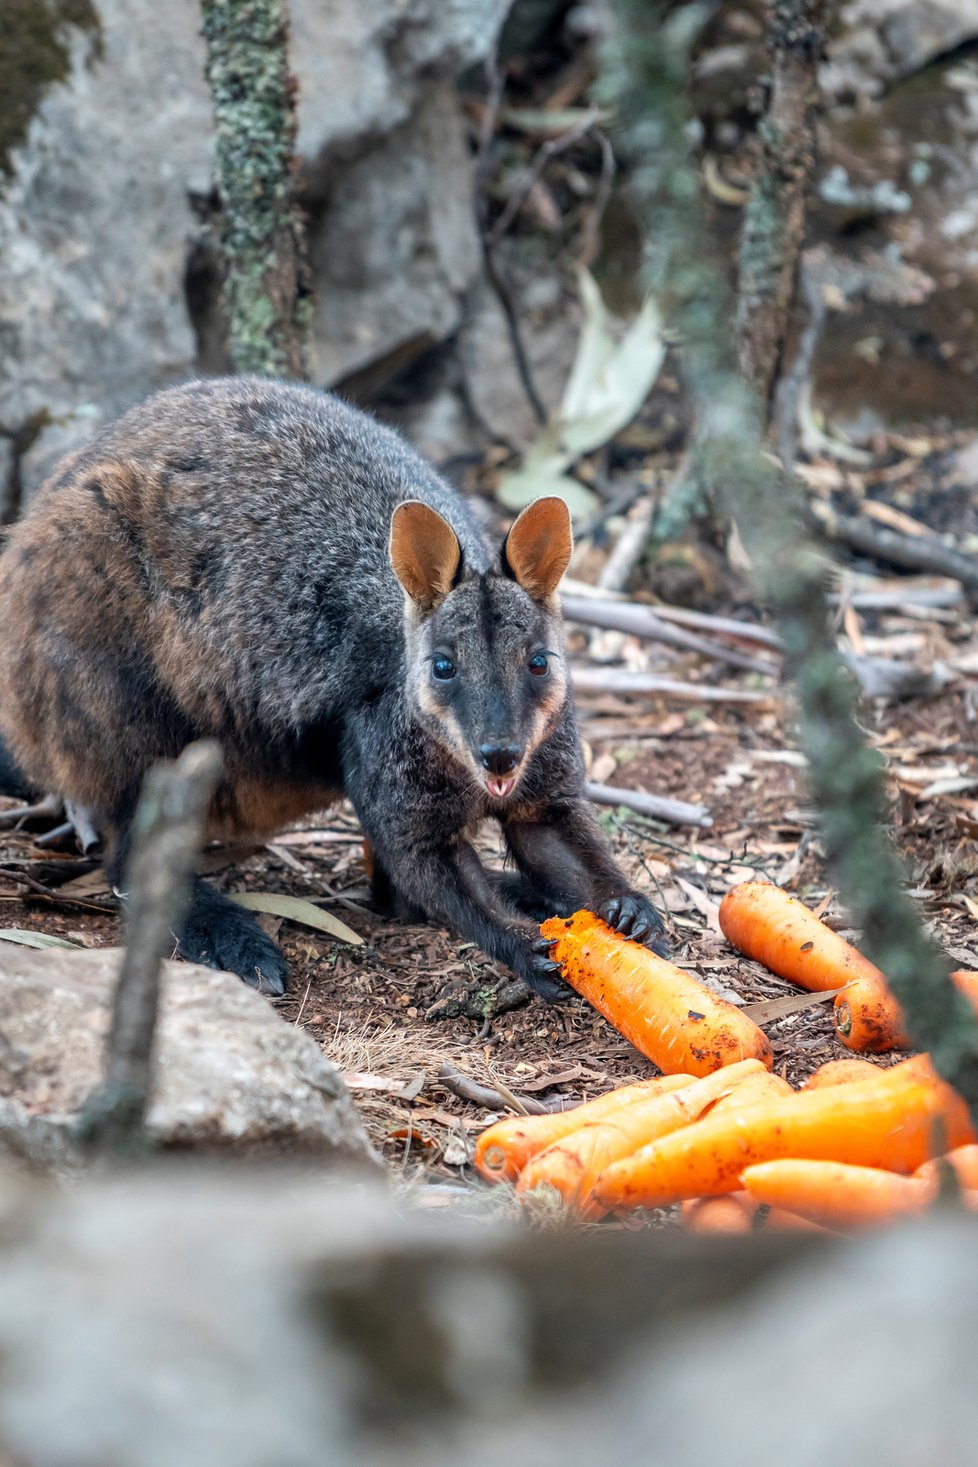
230 1072
235 1319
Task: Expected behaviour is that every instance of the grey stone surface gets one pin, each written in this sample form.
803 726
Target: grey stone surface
230 1074
97 222
190 1315
880 41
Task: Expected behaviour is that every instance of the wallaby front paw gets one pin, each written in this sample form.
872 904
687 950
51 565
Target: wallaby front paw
540 973
634 916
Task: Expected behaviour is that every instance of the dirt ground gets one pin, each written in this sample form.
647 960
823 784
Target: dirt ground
412 999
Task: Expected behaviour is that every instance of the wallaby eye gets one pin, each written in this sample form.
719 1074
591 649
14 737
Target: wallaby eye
443 669
538 664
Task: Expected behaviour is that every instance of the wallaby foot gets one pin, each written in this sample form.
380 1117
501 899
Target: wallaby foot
220 934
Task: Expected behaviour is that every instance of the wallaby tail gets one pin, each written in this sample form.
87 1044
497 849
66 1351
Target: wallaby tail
12 782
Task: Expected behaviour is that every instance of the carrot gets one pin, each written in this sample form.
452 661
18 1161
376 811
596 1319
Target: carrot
570 1166
755 1087
869 1019
964 1160
895 1122
505 1147
841 1072
666 1013
781 1220
731 1213
835 1194
765 923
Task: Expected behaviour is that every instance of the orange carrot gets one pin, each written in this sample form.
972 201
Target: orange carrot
505 1147
666 1013
766 923
964 1160
731 1213
570 1166
782 1220
869 1019
841 1072
755 1087
895 1122
835 1194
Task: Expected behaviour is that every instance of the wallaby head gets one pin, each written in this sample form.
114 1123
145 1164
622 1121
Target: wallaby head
485 663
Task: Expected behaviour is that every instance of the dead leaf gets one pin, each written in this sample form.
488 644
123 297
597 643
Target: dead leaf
26 938
776 1008
297 909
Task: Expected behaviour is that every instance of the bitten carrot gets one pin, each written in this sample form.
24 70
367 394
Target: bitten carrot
868 1018
895 1122
505 1147
964 1160
731 1213
836 1194
666 1013
765 923
841 1072
570 1166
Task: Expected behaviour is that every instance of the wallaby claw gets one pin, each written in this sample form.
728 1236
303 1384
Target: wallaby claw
541 974
634 916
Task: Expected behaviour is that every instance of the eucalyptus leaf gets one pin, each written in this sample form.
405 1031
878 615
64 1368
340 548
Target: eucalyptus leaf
545 477
296 909
550 122
25 938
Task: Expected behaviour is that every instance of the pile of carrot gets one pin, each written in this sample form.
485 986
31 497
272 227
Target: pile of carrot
720 1133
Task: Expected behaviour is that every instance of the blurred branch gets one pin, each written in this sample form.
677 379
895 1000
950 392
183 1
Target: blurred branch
266 275
167 834
646 72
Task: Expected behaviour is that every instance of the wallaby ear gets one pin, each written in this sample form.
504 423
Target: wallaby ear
538 548
424 552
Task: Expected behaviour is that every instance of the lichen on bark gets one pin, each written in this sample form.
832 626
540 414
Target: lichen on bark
266 279
645 73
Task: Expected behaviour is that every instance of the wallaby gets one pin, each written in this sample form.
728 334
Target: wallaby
259 562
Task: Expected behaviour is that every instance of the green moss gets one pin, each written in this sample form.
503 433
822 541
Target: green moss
35 52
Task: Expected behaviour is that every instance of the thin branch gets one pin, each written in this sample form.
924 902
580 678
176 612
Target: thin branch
643 621
167 833
656 807
639 684
487 129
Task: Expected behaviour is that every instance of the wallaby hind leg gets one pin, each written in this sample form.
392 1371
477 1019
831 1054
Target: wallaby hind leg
529 899
216 931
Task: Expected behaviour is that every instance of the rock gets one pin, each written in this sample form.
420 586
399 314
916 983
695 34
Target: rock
240 1316
230 1072
397 248
882 41
101 233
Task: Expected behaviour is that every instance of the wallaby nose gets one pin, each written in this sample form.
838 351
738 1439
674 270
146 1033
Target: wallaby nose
499 758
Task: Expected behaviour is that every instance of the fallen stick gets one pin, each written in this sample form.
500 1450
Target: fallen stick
632 684
909 551
468 1089
657 807
628 551
643 621
168 832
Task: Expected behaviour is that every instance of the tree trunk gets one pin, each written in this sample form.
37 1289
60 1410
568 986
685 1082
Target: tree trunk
774 219
266 277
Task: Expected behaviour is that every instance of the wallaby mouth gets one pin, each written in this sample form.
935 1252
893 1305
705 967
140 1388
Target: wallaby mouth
501 785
